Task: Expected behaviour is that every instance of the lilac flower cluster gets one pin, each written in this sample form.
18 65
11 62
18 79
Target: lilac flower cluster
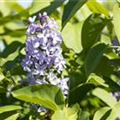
44 61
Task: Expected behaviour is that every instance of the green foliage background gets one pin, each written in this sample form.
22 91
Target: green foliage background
88 28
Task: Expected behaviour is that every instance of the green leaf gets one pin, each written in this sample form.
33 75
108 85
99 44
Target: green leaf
50 6
11 48
110 54
96 7
12 64
116 20
14 33
102 112
6 7
1 76
92 29
18 8
108 68
12 18
105 96
105 39
77 94
115 113
76 78
93 57
70 9
38 5
68 113
13 117
96 80
112 84
49 96
9 108
73 42
19 25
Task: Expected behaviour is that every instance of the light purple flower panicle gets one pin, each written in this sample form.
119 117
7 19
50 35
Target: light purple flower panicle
44 61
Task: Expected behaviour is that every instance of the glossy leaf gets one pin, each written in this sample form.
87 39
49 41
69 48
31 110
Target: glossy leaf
93 57
70 9
92 29
76 78
77 94
108 68
49 96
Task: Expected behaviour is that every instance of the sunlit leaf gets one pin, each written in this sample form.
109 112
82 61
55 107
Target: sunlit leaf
49 96
13 117
6 7
9 108
96 7
74 42
110 54
1 75
116 20
68 113
99 114
9 112
96 80
105 96
48 6
37 5
115 113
